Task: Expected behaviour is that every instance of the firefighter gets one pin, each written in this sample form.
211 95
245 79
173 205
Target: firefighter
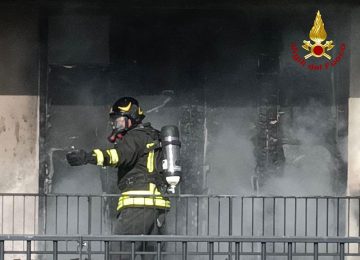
136 153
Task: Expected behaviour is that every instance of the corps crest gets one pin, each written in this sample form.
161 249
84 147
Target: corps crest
318 35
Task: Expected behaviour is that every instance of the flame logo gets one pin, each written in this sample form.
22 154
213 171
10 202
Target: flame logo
317 35
317 32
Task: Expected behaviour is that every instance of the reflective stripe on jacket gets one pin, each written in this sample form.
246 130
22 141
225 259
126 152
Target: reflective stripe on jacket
143 198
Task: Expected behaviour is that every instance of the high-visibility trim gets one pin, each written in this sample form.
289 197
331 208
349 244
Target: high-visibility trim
114 157
150 159
140 111
151 191
141 202
99 157
152 198
126 109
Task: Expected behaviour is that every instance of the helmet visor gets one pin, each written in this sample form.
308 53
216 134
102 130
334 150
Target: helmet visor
118 122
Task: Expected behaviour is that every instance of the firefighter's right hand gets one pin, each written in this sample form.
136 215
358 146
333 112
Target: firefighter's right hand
77 157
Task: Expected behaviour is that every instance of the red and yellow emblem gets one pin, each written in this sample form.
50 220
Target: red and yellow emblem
318 35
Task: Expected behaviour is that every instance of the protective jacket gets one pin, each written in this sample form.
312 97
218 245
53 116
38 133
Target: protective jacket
137 155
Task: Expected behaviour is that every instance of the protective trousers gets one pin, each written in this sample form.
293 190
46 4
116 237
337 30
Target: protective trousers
138 221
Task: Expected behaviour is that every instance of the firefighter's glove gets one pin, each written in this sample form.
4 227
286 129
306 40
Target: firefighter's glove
78 157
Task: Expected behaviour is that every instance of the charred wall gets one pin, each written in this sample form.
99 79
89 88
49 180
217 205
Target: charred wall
214 64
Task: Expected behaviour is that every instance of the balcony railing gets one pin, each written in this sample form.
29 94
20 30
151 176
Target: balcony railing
253 226
263 247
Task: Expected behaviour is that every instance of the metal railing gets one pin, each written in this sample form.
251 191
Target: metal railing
265 247
212 227
197 215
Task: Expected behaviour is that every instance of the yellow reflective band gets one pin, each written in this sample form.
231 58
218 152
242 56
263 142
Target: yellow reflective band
114 158
151 191
150 159
141 202
158 201
126 109
99 157
140 111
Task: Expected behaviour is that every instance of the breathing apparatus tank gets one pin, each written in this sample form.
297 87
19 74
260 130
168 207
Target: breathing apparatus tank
170 143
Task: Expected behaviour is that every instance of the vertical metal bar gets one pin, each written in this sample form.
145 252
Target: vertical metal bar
219 216
211 250
252 216
342 251
176 218
24 207
348 222
252 222
348 216
208 216
316 251
45 218
2 251
184 250
67 216
306 213
67 220
197 221
274 221
289 251
55 250
197 215
237 251
242 217
242 220
284 217
158 253
230 226
13 215
13 220
101 219
327 223
187 215
295 221
132 250
28 250
306 209
56 213
338 217
263 216
23 224
359 223
2 214
77 214
337 221
359 216
45 224
176 214
101 216
107 250
316 215
263 251
89 214
89 225
35 211
284 232
274 215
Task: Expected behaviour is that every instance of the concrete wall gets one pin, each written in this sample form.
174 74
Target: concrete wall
19 143
19 116
18 99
